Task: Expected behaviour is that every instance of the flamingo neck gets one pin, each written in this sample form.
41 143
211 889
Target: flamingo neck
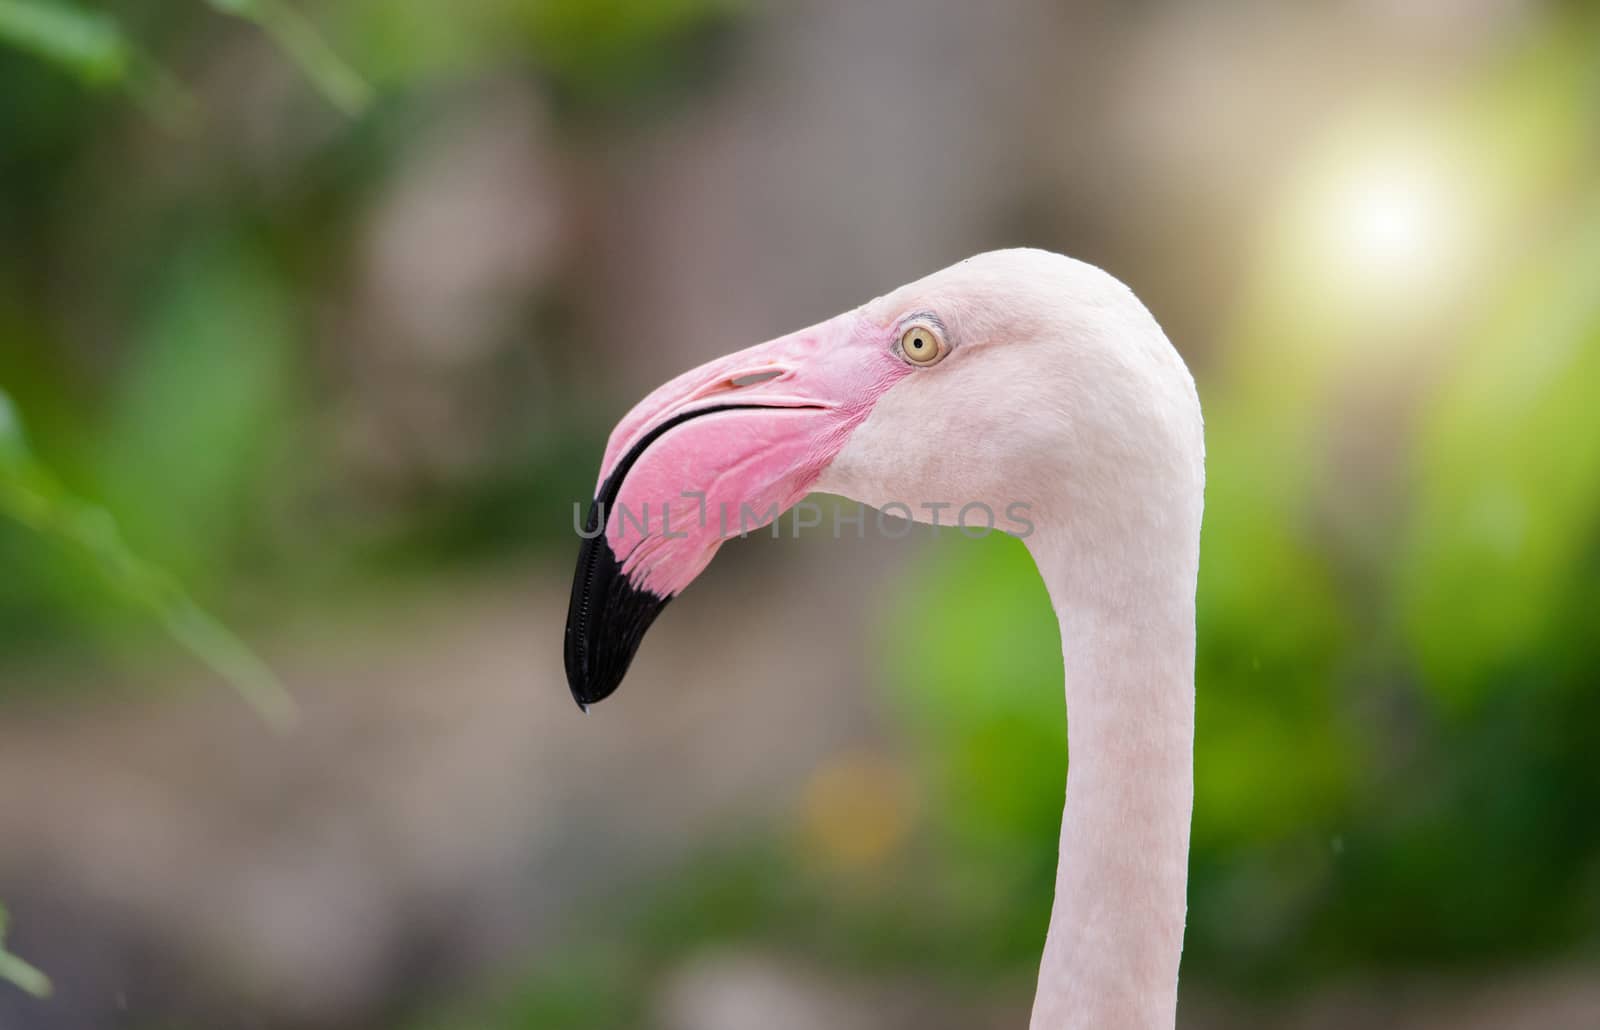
1126 605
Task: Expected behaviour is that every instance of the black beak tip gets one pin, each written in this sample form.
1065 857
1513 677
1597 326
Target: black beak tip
606 620
589 689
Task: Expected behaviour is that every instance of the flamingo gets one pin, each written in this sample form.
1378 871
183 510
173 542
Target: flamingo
1017 380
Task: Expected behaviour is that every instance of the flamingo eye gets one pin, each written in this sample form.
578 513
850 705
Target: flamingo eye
921 345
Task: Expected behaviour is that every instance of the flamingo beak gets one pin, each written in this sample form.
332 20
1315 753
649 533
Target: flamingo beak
719 451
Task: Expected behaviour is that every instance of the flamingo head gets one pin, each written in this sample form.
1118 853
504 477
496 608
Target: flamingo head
998 381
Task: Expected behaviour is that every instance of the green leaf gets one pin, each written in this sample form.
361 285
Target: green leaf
15 971
87 42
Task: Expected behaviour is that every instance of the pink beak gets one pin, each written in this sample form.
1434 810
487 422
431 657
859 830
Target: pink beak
717 452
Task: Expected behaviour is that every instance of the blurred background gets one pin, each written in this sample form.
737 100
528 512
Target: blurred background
314 317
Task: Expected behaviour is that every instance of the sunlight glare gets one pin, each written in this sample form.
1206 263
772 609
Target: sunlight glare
1383 221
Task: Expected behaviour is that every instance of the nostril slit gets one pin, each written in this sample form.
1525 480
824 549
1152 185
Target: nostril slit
756 377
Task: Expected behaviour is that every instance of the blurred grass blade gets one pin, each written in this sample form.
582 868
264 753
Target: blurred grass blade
13 445
214 644
343 87
29 494
88 42
15 971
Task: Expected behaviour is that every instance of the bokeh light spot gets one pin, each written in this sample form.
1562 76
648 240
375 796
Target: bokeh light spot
1384 221
856 810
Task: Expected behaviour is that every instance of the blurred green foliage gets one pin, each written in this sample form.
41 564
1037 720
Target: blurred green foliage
199 415
600 49
984 703
212 359
87 42
1508 474
33 497
592 51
